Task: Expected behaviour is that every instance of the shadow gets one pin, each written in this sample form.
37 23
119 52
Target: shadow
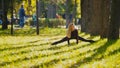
51 48
98 51
37 56
20 47
45 55
103 48
34 41
24 43
45 64
20 32
5 32
114 52
55 61
23 52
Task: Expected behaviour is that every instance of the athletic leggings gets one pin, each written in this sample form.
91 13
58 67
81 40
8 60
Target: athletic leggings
67 39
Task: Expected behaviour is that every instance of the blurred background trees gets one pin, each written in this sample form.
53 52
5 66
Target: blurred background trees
98 17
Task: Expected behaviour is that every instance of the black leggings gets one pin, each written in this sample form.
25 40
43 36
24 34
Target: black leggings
67 39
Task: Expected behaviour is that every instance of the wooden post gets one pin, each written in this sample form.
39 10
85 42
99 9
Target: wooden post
37 28
11 17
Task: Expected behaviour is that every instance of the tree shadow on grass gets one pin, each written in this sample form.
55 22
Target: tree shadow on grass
20 32
114 52
99 51
37 56
20 47
34 57
26 46
34 41
25 58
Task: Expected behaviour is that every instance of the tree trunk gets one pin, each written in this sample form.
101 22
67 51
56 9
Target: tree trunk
75 12
67 14
94 26
95 17
86 10
105 7
5 10
115 20
84 15
37 27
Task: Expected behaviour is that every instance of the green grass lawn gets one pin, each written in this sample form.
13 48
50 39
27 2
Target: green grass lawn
27 50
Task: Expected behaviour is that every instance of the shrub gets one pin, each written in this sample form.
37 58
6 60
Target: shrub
46 22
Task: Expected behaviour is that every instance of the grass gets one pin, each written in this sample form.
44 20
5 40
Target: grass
27 50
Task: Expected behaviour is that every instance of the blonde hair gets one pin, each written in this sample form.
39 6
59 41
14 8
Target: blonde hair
70 29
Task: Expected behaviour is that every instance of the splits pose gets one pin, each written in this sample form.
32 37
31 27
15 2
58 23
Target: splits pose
72 33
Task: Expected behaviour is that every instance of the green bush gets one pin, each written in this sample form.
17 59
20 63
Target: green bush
45 22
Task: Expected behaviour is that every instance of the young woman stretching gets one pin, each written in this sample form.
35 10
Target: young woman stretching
72 33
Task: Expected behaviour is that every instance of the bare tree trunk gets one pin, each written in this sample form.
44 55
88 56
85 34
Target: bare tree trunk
67 13
83 15
105 7
115 20
86 10
96 17
5 11
37 27
75 12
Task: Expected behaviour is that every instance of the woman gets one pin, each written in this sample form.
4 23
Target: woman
72 33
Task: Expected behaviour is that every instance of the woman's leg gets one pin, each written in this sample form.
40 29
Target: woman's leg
80 38
62 40
77 40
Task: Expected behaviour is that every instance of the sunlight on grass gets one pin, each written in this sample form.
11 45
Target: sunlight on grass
31 51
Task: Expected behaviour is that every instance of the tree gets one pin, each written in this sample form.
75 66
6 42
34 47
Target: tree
115 20
6 4
95 25
6 9
69 11
85 15
95 17
105 10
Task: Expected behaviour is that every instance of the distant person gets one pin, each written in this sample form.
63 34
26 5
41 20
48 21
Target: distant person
79 21
57 16
34 18
72 33
22 16
1 19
